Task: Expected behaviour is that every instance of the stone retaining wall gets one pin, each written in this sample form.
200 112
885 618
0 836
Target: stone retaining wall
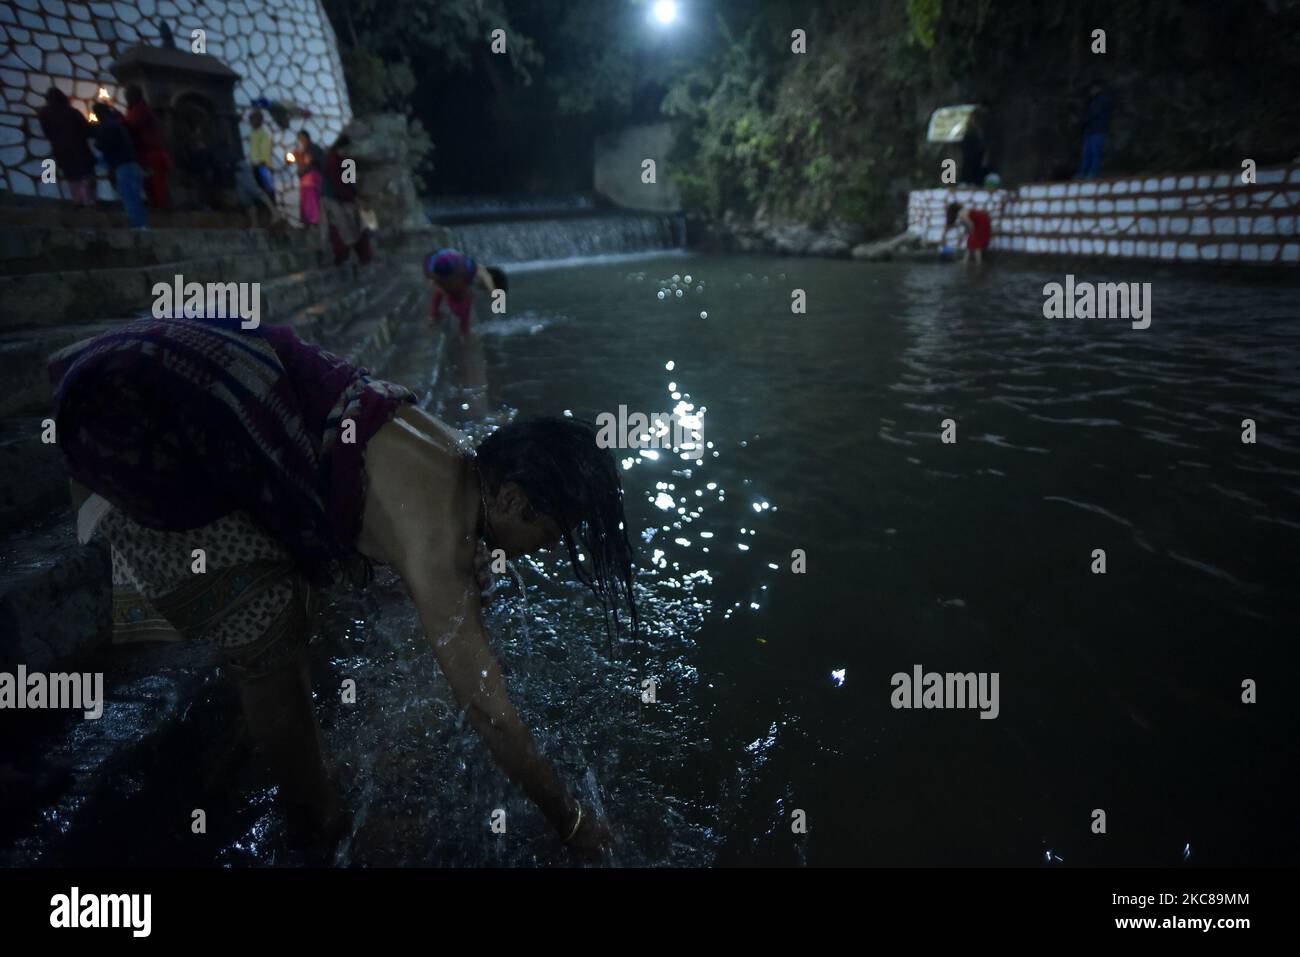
1208 216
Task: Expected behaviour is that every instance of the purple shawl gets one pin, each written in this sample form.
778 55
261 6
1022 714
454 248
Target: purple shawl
181 421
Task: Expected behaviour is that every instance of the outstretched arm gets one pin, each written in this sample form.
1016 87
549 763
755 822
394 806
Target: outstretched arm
446 596
419 517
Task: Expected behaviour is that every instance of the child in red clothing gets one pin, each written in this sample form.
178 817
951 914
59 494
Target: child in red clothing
454 276
978 226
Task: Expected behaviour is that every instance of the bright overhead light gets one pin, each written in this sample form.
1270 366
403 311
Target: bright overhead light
665 11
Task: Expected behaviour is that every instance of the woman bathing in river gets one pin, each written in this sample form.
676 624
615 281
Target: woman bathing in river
978 226
454 276
284 465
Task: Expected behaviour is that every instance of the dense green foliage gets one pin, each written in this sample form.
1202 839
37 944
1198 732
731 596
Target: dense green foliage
838 132
389 48
384 43
814 136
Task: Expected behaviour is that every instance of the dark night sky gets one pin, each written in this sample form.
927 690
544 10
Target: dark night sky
494 134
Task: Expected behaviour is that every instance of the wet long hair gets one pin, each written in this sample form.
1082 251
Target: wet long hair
568 477
499 278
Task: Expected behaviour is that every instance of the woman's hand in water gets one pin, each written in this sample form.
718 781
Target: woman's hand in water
594 838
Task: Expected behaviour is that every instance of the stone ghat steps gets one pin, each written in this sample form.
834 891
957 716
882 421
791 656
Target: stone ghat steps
44 299
110 215
54 600
34 249
163 704
33 480
54 603
374 334
24 385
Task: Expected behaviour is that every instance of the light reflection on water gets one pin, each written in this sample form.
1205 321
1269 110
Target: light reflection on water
823 435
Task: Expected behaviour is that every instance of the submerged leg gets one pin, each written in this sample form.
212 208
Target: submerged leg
276 694
278 708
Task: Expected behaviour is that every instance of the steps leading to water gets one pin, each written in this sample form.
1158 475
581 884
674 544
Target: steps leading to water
31 249
58 298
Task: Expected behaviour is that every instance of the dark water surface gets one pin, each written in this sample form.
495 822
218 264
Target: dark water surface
1119 692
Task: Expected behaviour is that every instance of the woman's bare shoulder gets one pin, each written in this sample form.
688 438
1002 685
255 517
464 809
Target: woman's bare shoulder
416 488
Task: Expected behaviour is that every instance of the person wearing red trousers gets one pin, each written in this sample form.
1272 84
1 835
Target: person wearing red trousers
146 134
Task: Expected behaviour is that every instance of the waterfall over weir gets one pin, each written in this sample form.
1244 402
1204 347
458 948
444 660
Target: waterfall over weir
515 231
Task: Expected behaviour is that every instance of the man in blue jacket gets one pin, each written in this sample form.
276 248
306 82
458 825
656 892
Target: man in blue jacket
1096 124
113 140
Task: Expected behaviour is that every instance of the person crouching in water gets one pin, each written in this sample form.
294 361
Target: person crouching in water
454 277
305 469
978 226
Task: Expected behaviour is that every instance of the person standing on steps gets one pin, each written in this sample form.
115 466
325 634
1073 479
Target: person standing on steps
115 146
259 153
250 196
1096 125
974 152
67 131
339 209
311 163
146 136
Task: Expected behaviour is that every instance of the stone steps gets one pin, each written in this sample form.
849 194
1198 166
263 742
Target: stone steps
24 385
160 701
33 481
110 215
44 299
55 605
29 249
23 352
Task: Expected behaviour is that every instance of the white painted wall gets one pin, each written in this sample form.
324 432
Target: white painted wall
284 50
1208 216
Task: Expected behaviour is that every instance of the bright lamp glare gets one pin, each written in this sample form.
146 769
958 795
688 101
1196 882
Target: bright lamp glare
665 11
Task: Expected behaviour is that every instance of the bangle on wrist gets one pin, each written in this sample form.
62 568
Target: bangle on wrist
576 824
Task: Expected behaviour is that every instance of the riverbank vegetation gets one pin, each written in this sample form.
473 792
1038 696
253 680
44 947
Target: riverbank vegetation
836 133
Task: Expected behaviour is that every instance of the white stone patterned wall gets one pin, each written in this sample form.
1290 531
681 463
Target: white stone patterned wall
284 50
1202 217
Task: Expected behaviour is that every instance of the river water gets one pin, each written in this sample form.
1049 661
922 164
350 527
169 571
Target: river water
1119 692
